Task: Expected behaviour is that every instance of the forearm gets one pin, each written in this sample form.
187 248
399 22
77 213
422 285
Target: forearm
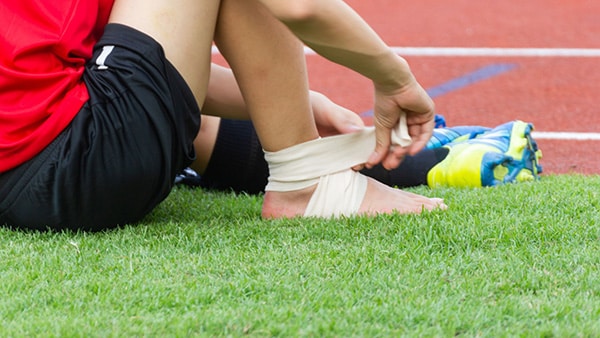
334 30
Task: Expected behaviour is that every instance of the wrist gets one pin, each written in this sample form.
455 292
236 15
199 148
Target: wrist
395 73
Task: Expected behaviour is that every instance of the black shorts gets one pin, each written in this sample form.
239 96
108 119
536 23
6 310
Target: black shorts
119 156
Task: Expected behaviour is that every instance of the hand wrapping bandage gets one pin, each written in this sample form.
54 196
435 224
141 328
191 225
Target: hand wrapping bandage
328 162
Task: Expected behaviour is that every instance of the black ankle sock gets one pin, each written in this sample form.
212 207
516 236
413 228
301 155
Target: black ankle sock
412 171
237 162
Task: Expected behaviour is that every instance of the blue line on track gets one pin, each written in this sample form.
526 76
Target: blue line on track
465 80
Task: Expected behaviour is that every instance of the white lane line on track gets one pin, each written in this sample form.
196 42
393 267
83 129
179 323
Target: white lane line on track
512 52
490 51
566 136
504 52
484 51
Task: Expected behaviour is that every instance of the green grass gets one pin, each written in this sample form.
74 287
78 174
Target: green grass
518 260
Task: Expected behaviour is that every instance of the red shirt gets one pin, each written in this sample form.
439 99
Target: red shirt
44 45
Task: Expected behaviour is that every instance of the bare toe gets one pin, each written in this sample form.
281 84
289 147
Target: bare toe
383 199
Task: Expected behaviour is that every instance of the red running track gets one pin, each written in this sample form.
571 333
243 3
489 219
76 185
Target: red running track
556 94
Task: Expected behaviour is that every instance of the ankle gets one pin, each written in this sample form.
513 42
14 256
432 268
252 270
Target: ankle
288 204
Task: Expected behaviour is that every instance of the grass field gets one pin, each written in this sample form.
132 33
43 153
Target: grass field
517 260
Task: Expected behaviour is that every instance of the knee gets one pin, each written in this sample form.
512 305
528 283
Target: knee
293 11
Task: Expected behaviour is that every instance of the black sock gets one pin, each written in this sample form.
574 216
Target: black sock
412 171
237 162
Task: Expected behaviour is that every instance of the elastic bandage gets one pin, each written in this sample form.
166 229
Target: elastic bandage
327 162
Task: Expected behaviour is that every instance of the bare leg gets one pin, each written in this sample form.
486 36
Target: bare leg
184 28
205 142
269 66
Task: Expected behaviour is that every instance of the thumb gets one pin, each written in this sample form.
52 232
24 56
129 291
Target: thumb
348 121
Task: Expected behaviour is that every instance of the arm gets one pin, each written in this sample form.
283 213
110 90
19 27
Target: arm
337 32
225 100
334 30
223 97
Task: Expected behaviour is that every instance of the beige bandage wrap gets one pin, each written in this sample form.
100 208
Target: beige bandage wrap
328 162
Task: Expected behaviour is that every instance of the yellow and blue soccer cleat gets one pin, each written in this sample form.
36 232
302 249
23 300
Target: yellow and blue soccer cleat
501 155
443 136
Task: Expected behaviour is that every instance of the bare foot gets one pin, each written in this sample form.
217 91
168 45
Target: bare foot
286 204
379 199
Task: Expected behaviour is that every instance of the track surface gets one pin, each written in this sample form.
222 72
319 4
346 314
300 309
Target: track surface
555 93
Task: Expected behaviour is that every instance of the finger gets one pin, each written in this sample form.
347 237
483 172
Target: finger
417 145
382 145
395 156
420 135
